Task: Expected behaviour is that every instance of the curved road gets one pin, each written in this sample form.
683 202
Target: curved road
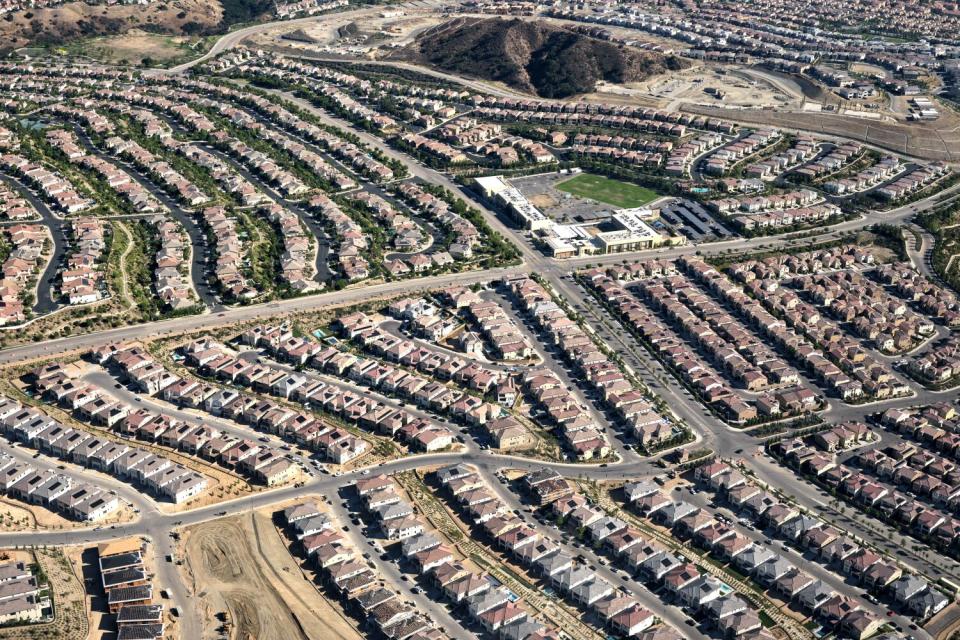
46 301
157 525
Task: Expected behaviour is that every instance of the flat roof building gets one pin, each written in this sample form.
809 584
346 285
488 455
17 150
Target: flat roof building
498 190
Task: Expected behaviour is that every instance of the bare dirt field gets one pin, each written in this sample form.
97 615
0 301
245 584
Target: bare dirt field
136 46
19 516
867 69
357 33
16 516
692 85
562 206
372 28
240 566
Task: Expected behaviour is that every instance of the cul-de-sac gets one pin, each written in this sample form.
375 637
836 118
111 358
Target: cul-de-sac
479 320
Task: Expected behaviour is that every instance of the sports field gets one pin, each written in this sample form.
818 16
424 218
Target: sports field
613 192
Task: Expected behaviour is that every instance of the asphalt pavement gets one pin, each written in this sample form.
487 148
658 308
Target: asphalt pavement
156 525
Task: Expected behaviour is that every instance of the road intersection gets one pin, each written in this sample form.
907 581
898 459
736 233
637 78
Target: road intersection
157 526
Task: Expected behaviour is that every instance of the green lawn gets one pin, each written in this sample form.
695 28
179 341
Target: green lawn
619 194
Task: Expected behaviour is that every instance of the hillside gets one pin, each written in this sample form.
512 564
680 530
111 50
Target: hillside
66 22
535 57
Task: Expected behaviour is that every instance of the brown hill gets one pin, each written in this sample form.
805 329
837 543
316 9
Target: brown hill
533 56
65 22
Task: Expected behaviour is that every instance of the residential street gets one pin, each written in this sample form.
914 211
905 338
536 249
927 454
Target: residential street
729 441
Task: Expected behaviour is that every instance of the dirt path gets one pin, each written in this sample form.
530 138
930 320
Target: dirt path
125 294
320 619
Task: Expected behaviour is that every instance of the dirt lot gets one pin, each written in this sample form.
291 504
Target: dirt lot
241 566
690 85
542 191
369 27
18 516
136 46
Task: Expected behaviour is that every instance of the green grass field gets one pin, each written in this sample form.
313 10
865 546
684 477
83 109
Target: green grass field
613 192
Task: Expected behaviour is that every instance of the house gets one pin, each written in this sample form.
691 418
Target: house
417 544
531 554
555 564
680 576
836 608
636 490
814 595
672 513
590 592
487 600
427 560
881 575
927 603
739 624
310 526
860 625
573 577
394 511
700 592
732 546
402 528
605 527
468 586
656 566
613 604
773 569
501 616
907 587
120 597
792 583
379 482
633 621
523 629
726 606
